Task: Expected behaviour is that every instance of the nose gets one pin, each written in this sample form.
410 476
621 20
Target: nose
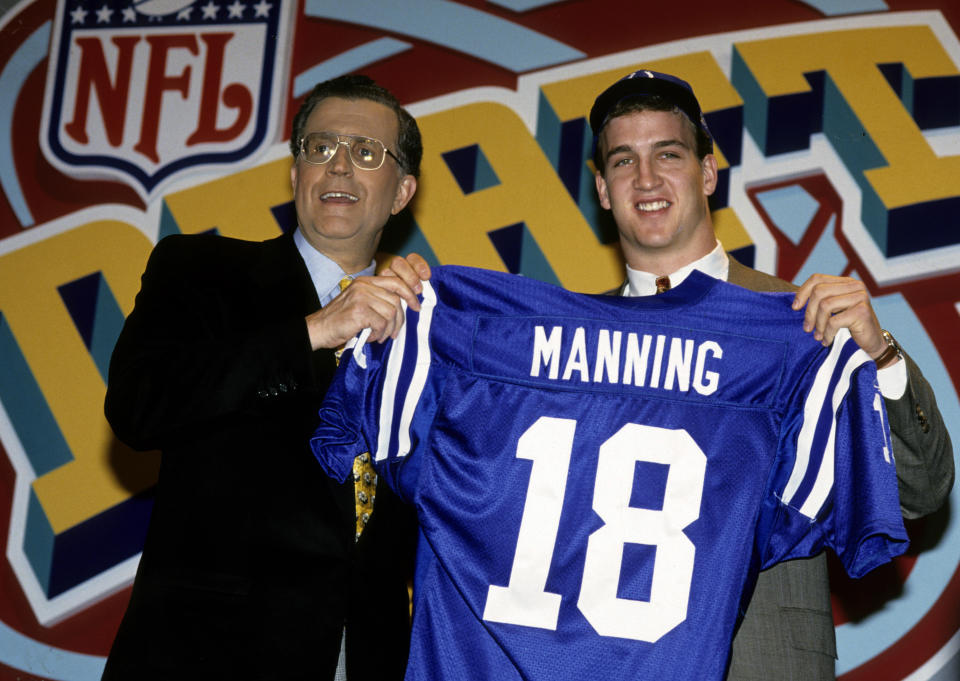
646 176
341 164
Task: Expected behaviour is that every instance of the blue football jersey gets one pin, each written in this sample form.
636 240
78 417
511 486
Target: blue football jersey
599 479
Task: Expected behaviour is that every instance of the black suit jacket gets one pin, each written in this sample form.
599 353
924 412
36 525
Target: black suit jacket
250 568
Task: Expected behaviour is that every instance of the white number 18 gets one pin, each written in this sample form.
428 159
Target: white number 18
548 443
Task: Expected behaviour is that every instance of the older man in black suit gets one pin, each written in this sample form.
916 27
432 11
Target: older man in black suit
256 565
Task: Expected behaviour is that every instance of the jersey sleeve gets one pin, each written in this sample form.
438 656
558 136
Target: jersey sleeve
837 488
382 399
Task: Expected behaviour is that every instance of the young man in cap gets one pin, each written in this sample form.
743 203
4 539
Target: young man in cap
655 170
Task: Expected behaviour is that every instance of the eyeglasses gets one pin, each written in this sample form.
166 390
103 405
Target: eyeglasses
365 153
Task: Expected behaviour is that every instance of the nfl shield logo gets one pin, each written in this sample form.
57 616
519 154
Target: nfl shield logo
144 91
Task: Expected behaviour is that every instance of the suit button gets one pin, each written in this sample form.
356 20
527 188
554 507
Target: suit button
263 394
922 420
282 387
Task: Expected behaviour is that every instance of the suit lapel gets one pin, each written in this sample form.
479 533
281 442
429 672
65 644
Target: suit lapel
283 277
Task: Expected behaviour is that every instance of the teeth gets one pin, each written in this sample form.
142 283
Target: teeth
653 205
338 195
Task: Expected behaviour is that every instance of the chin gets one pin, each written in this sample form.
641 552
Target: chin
655 240
335 228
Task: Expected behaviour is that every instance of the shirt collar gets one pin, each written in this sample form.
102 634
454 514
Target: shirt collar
324 272
714 263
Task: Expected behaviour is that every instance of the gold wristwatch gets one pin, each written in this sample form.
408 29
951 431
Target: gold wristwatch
890 353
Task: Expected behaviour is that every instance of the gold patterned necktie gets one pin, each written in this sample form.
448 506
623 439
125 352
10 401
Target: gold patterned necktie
663 284
364 475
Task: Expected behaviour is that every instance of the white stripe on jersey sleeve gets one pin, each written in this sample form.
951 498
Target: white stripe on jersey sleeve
420 370
824 482
812 409
811 412
394 362
357 344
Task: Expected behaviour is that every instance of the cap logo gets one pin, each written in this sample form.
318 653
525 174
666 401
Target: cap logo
670 88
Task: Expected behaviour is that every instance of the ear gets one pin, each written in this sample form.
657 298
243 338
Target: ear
293 177
405 191
602 190
709 168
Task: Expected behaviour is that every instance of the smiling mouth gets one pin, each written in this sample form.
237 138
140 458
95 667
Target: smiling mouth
651 206
339 196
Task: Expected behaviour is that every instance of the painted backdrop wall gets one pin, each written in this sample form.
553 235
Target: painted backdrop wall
839 144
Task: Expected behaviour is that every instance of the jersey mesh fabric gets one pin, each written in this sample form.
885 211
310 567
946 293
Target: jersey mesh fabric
599 479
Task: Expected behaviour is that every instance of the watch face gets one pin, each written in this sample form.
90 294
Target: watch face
892 350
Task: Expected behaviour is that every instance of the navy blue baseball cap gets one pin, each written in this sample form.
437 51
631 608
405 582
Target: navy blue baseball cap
644 83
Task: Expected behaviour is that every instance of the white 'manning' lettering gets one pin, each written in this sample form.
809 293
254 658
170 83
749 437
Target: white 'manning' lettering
676 363
546 350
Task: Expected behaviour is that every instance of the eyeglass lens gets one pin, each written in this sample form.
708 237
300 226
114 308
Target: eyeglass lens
365 152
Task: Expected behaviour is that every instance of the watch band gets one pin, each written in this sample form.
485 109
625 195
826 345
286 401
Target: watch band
891 352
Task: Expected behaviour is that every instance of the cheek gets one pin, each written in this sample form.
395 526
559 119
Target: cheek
303 181
620 193
389 193
693 182
614 191
299 192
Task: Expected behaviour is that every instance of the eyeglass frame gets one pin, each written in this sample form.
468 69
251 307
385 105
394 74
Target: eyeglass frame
386 149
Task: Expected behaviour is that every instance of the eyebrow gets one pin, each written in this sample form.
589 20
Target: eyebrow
660 144
621 149
670 143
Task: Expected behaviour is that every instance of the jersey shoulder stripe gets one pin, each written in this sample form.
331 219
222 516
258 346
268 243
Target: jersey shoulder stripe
812 476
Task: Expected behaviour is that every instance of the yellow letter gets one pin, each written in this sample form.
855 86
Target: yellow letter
908 191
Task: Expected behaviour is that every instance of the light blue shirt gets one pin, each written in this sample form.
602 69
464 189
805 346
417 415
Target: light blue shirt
324 272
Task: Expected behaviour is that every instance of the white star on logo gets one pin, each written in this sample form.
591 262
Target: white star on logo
236 9
103 15
184 14
79 15
210 10
129 14
262 8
